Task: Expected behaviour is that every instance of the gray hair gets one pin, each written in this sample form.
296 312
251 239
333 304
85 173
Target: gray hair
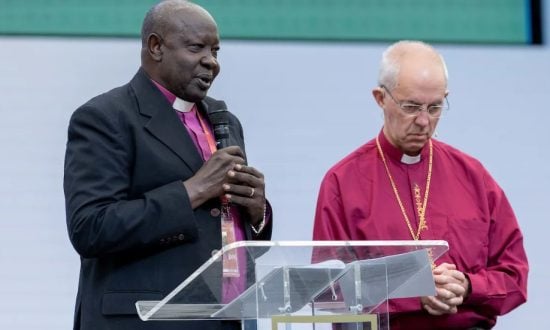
390 63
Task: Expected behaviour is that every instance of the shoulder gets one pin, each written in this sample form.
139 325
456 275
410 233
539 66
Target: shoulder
109 111
455 155
350 165
125 97
116 98
462 165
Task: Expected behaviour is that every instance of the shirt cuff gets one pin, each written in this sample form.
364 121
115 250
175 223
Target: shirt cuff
478 288
257 229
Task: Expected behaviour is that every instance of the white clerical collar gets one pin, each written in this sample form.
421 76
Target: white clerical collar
182 105
406 159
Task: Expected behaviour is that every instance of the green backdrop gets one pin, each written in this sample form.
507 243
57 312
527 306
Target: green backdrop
463 21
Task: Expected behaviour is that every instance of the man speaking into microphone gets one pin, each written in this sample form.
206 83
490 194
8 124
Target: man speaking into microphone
149 191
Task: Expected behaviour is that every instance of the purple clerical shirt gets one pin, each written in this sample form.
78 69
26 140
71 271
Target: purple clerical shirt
189 116
466 207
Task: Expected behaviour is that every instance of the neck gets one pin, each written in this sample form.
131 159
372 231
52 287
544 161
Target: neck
398 154
411 153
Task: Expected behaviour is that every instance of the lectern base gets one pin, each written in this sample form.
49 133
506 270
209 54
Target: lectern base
369 321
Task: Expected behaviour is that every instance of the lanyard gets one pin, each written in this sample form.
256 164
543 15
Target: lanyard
230 258
207 133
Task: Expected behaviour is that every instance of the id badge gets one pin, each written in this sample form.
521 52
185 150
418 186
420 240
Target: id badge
230 259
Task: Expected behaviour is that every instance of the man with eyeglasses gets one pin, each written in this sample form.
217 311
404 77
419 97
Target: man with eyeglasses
405 185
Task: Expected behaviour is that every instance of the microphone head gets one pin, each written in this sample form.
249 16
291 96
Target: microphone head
218 116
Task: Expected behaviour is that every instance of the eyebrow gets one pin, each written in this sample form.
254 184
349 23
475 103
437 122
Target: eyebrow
422 103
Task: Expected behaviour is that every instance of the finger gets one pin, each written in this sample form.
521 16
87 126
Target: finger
426 304
245 200
234 150
451 305
443 279
254 206
448 265
444 294
454 302
245 179
243 191
458 275
443 267
432 311
437 305
455 288
225 157
249 169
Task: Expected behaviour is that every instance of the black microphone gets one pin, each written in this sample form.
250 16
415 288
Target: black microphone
219 118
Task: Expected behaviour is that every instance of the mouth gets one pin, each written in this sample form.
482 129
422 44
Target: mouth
205 80
418 136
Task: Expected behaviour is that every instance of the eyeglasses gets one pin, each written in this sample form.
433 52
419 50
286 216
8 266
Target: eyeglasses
413 109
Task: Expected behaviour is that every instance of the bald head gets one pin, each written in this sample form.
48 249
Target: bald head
180 45
161 18
410 55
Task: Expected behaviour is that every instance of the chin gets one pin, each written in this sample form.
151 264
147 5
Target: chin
194 97
413 150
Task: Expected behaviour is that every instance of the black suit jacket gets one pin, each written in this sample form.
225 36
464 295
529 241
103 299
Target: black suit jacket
128 213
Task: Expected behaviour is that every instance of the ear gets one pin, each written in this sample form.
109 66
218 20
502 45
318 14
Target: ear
154 47
378 95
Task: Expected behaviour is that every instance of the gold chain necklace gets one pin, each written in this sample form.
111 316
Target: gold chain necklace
420 209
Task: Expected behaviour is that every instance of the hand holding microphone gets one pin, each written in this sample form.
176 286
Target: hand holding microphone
245 185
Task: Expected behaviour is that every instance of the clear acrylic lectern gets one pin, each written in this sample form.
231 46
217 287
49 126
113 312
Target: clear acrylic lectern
287 282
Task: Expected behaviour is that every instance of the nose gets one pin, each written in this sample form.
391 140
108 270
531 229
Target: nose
422 118
209 61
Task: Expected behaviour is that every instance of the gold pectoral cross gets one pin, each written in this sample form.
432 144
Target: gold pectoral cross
420 204
421 210
422 224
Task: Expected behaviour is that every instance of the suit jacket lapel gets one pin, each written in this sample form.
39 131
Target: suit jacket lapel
163 122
